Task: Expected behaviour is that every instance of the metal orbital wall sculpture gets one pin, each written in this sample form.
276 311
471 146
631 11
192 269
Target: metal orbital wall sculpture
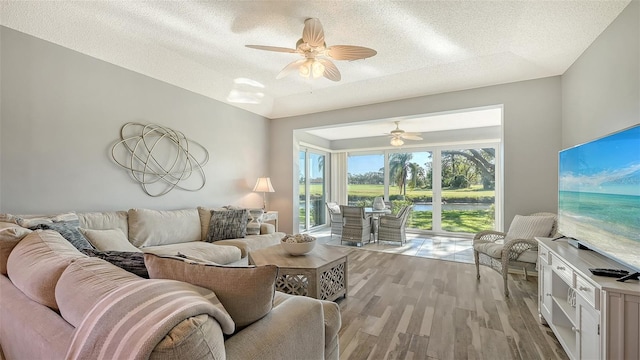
159 155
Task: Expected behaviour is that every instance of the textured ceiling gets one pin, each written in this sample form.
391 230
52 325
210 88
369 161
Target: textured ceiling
424 47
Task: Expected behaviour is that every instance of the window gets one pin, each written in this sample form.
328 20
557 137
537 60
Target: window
451 189
365 178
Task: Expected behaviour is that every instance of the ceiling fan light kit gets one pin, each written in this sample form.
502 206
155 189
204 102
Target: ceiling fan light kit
396 141
311 67
397 135
316 54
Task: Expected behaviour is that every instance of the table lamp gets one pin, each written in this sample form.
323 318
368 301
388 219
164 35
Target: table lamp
264 186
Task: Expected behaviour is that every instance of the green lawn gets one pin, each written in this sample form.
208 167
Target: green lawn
468 221
371 191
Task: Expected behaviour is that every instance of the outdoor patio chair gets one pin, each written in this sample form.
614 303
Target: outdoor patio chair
392 227
516 248
335 218
356 224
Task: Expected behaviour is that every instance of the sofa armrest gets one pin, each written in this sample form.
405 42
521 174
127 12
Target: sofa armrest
266 228
293 329
197 337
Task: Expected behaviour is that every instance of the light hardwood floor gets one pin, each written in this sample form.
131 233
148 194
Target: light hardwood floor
406 307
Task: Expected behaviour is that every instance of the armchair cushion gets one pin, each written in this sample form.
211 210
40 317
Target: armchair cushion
528 227
492 249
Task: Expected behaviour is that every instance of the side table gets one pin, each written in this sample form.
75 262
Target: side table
321 274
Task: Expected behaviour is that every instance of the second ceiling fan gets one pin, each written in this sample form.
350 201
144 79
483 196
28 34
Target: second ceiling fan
398 135
316 55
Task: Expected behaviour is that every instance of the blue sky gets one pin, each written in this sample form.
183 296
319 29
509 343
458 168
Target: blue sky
608 165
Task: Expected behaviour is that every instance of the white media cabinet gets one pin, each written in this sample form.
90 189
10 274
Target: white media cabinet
603 322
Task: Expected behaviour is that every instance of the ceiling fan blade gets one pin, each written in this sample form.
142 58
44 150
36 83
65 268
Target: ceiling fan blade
411 136
289 68
349 52
331 71
313 34
271 48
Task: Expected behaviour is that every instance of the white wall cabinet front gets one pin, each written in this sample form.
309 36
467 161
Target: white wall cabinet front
593 317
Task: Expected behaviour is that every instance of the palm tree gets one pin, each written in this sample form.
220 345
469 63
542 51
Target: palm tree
400 167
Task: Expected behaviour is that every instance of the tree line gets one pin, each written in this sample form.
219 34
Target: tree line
460 169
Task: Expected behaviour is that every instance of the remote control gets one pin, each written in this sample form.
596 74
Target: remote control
609 272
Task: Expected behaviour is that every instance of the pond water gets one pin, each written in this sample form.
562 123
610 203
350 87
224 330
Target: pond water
429 207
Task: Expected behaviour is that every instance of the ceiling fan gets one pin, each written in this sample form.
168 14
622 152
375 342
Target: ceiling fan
398 135
316 55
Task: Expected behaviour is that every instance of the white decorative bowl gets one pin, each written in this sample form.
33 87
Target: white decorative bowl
298 248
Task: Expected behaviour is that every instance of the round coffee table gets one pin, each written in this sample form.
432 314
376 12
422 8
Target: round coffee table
321 274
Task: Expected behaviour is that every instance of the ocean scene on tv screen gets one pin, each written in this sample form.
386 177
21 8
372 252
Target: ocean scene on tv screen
599 195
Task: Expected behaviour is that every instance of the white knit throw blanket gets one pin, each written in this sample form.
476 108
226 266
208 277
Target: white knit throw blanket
129 322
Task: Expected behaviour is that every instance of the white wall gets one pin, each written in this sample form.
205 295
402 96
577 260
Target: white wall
601 90
61 111
532 139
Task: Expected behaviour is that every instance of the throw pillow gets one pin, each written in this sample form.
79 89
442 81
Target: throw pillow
228 224
68 230
528 227
133 262
253 226
205 218
109 240
246 293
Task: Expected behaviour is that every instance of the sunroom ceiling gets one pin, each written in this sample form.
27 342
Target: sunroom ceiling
473 118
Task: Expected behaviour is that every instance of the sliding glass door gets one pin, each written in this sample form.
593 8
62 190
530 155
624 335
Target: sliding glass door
312 189
410 183
468 189
451 189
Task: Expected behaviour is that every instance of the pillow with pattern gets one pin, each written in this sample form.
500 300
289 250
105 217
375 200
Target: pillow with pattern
227 224
133 262
255 220
69 230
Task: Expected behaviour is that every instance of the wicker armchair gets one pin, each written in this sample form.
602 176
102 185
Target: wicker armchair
515 249
335 218
356 224
392 227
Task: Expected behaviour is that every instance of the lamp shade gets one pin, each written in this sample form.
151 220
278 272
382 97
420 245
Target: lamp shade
263 185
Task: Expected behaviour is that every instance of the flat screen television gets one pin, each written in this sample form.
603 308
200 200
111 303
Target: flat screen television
599 195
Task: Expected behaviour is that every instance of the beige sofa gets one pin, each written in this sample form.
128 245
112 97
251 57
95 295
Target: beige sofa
45 294
184 231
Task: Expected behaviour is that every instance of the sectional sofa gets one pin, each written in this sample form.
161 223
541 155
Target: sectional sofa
55 301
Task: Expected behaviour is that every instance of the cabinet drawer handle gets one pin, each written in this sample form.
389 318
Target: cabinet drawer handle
560 267
543 254
548 294
574 329
584 288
